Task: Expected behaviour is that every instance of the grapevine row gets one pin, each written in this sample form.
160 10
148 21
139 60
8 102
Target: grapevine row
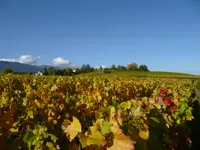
39 112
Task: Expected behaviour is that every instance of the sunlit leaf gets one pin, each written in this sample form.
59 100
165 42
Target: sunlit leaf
96 138
50 146
121 142
30 114
73 129
83 140
155 119
144 134
106 127
28 138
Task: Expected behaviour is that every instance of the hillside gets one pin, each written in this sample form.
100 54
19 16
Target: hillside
19 67
141 73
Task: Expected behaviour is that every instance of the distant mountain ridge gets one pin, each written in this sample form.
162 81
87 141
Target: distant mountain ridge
20 67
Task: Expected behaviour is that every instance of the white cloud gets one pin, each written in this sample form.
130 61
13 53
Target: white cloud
59 61
25 59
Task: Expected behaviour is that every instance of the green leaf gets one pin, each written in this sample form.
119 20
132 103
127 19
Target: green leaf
30 114
14 130
98 115
137 112
28 138
53 138
50 146
155 119
24 101
126 105
183 107
106 127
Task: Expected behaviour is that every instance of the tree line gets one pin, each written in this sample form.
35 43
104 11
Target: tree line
130 67
85 68
67 71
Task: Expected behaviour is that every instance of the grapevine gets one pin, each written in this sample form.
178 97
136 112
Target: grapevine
105 113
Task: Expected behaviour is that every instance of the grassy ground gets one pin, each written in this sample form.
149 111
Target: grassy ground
142 74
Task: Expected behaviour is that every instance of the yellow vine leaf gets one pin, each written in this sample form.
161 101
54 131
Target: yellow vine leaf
96 139
37 103
176 98
126 105
50 146
99 97
116 129
72 129
83 139
115 116
93 129
144 134
30 114
91 137
157 105
121 141
170 119
112 113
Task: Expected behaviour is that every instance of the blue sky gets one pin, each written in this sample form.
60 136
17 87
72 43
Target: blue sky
163 34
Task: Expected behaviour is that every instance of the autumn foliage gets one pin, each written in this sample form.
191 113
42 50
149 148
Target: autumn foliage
132 66
101 113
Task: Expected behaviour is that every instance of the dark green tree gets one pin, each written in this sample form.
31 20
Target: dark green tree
119 67
113 67
60 72
69 71
86 68
83 69
100 68
78 71
52 71
7 70
107 70
123 68
143 68
45 71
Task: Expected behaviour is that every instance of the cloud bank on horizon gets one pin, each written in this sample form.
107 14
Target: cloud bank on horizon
31 60
25 59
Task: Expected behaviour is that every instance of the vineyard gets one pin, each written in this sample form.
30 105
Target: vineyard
95 113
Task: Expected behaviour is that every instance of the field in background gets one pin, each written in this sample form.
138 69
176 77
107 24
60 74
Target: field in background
142 74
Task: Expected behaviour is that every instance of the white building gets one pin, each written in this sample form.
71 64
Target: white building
39 73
